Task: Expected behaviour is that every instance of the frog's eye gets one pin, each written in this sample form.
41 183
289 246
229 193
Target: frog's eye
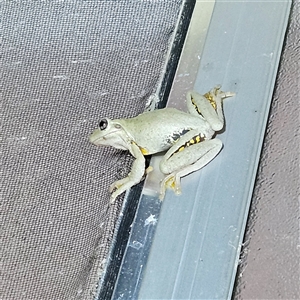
103 124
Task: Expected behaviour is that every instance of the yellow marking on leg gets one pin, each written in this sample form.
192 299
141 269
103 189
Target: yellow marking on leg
195 105
211 99
195 140
143 150
171 183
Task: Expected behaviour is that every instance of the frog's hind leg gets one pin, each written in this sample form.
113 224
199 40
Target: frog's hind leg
209 106
206 151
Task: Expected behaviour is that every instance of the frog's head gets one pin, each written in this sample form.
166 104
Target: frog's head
110 133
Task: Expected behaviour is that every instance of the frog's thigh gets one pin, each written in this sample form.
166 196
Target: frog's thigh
205 159
191 158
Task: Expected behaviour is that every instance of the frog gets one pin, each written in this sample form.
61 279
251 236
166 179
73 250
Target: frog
187 139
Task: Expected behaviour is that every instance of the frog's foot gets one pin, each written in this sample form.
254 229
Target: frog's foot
172 181
216 91
118 187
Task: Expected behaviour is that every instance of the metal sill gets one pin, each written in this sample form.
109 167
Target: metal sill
188 246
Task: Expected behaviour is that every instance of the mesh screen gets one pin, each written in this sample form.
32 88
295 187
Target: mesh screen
66 64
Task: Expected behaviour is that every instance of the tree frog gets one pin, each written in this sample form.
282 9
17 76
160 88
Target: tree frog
187 138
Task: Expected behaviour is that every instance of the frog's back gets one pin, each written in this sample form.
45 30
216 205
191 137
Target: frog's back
168 117
157 130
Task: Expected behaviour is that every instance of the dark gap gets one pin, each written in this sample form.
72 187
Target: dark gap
122 235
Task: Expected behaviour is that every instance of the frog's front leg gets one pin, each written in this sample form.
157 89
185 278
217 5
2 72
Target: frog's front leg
190 153
134 177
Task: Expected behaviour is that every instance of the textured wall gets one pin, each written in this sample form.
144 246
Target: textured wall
270 257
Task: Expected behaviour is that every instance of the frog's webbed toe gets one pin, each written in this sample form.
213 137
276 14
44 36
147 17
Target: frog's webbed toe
117 184
172 181
118 187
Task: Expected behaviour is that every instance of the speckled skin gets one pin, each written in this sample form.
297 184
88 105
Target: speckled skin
187 138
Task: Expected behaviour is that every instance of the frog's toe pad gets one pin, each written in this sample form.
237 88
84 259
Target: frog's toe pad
117 184
174 184
171 181
177 190
112 187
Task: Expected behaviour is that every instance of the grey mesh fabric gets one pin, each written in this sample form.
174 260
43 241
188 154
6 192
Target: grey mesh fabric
64 65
